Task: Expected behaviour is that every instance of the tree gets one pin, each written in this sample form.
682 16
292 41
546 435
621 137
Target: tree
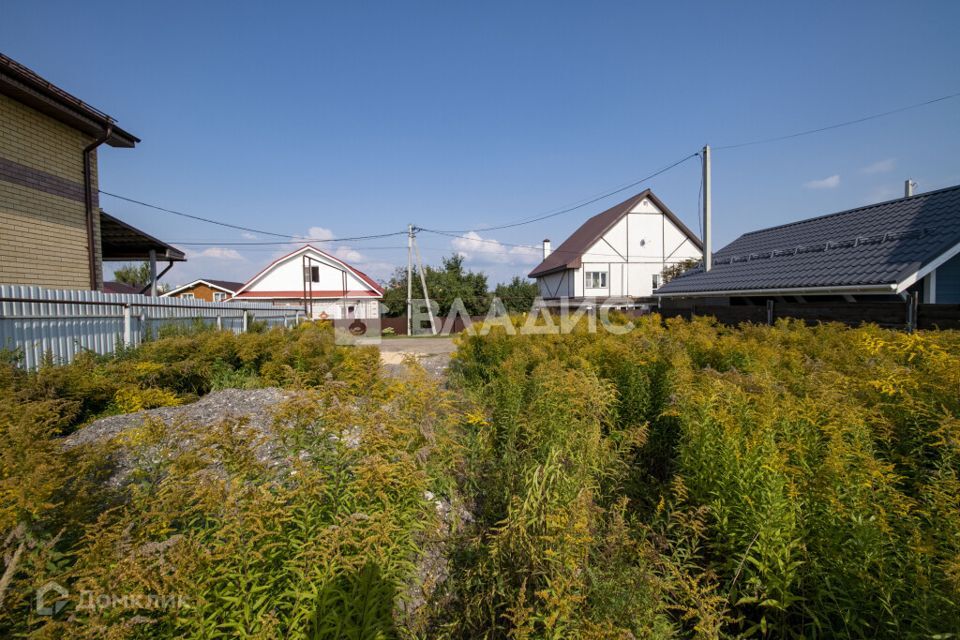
445 284
136 275
518 294
674 270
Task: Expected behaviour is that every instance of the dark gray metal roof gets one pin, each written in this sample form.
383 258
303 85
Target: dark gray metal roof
871 247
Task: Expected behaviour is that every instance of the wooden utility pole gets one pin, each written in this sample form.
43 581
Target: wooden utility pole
707 253
409 279
423 282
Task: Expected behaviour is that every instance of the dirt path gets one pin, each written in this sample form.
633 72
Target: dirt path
432 353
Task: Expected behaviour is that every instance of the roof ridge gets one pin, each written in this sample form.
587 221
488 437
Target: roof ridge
854 209
580 245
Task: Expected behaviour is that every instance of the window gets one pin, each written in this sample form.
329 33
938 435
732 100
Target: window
219 296
187 296
315 274
596 280
656 281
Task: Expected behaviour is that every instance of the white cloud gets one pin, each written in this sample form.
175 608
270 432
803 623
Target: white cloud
830 182
377 270
475 248
881 166
348 254
248 235
318 233
221 263
217 253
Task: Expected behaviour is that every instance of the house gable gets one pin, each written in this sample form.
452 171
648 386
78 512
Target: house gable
629 248
606 237
330 278
206 286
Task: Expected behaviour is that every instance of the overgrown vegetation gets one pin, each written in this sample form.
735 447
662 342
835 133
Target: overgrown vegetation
184 364
681 480
309 530
694 480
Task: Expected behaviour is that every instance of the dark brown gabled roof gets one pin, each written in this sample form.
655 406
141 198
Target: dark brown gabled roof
227 285
568 254
26 86
112 286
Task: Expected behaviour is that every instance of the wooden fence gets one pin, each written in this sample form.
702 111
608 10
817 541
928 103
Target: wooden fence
36 321
899 315
907 315
444 325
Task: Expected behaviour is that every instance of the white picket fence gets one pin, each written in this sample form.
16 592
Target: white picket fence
35 321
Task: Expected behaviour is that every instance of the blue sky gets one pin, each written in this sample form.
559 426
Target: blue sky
357 118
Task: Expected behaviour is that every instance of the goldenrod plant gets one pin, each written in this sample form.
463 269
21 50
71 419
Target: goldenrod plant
786 481
679 480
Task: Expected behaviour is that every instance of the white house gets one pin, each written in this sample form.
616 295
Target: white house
324 285
619 254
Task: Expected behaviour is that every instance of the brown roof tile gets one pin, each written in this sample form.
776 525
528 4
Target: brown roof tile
568 254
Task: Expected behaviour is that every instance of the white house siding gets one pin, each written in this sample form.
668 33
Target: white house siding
331 309
642 243
288 276
338 290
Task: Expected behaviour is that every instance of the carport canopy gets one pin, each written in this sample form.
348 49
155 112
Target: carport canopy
121 242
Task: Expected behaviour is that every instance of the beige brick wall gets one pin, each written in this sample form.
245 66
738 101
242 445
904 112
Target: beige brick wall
43 238
37 140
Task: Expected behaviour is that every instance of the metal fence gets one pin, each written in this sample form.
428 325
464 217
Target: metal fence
36 321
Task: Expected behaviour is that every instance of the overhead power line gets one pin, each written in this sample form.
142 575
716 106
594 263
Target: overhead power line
455 233
838 125
577 206
193 217
538 248
292 238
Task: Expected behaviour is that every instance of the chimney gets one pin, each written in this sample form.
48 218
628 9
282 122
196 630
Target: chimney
908 186
546 248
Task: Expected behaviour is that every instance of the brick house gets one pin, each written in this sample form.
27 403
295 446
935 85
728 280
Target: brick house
207 290
53 231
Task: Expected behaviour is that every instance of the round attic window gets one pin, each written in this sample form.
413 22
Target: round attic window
643 242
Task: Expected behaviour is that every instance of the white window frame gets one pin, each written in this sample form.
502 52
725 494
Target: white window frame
656 281
595 279
219 296
187 296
